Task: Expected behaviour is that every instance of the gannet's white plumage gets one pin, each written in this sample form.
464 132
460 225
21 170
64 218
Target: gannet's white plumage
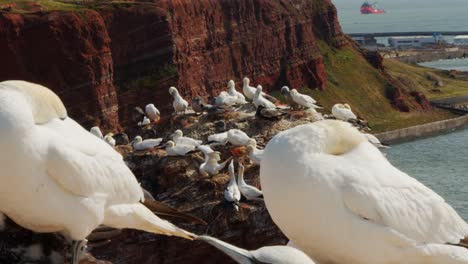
260 100
179 139
248 90
146 121
267 255
303 99
219 138
255 154
109 139
210 166
374 140
179 104
250 192
225 99
232 193
152 112
73 181
139 144
343 112
95 130
178 150
237 137
240 99
347 204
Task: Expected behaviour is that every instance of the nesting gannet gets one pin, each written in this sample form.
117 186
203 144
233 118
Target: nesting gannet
250 192
287 95
210 166
73 181
95 130
232 193
240 99
350 204
343 112
152 112
237 137
179 139
224 99
109 139
374 140
146 121
221 138
271 113
179 104
259 100
303 99
248 90
178 150
255 154
199 105
266 255
139 144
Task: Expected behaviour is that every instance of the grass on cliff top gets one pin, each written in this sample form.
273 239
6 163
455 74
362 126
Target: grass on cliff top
28 6
352 80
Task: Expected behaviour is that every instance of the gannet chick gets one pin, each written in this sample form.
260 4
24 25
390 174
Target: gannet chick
152 112
199 105
95 130
210 166
250 192
224 99
240 99
73 181
266 255
139 144
349 198
374 140
270 113
109 139
303 100
254 154
232 193
145 121
237 137
221 138
259 100
179 139
179 104
343 112
178 150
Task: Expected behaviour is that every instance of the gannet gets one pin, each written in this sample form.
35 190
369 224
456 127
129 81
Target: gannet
271 113
259 100
221 138
248 90
343 112
152 112
254 154
137 114
374 140
210 166
232 193
73 181
224 99
351 205
178 150
287 95
303 99
179 104
139 144
240 99
108 138
179 139
146 121
250 192
199 105
237 137
95 130
266 255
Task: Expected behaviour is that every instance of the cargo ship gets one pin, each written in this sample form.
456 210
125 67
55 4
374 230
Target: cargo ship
368 8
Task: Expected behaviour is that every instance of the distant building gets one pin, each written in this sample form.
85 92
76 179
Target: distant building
460 40
413 42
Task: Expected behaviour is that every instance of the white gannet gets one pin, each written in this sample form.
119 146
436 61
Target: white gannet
259 100
266 255
232 193
210 166
248 90
287 94
146 121
255 154
374 140
240 99
225 99
152 112
303 99
95 130
139 144
109 139
237 137
179 139
179 104
221 138
178 150
343 112
250 192
351 205
73 181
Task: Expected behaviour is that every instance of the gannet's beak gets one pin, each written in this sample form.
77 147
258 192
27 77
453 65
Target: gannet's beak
238 254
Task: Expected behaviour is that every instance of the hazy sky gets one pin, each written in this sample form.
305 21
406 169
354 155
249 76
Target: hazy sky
401 3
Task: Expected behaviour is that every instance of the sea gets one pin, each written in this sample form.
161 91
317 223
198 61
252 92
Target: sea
440 162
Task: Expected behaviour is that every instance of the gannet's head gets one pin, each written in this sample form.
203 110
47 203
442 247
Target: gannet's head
285 90
252 142
173 91
214 156
347 106
293 92
177 134
44 104
259 90
338 137
109 134
246 81
136 140
170 144
150 106
231 84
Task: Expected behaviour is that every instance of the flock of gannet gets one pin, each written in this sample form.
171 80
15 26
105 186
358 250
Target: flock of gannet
325 184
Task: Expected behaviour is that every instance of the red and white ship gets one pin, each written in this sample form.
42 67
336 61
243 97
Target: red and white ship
368 8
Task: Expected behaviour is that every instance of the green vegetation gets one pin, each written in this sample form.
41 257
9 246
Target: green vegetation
151 80
28 6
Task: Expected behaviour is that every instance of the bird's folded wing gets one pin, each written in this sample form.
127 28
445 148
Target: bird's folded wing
412 210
